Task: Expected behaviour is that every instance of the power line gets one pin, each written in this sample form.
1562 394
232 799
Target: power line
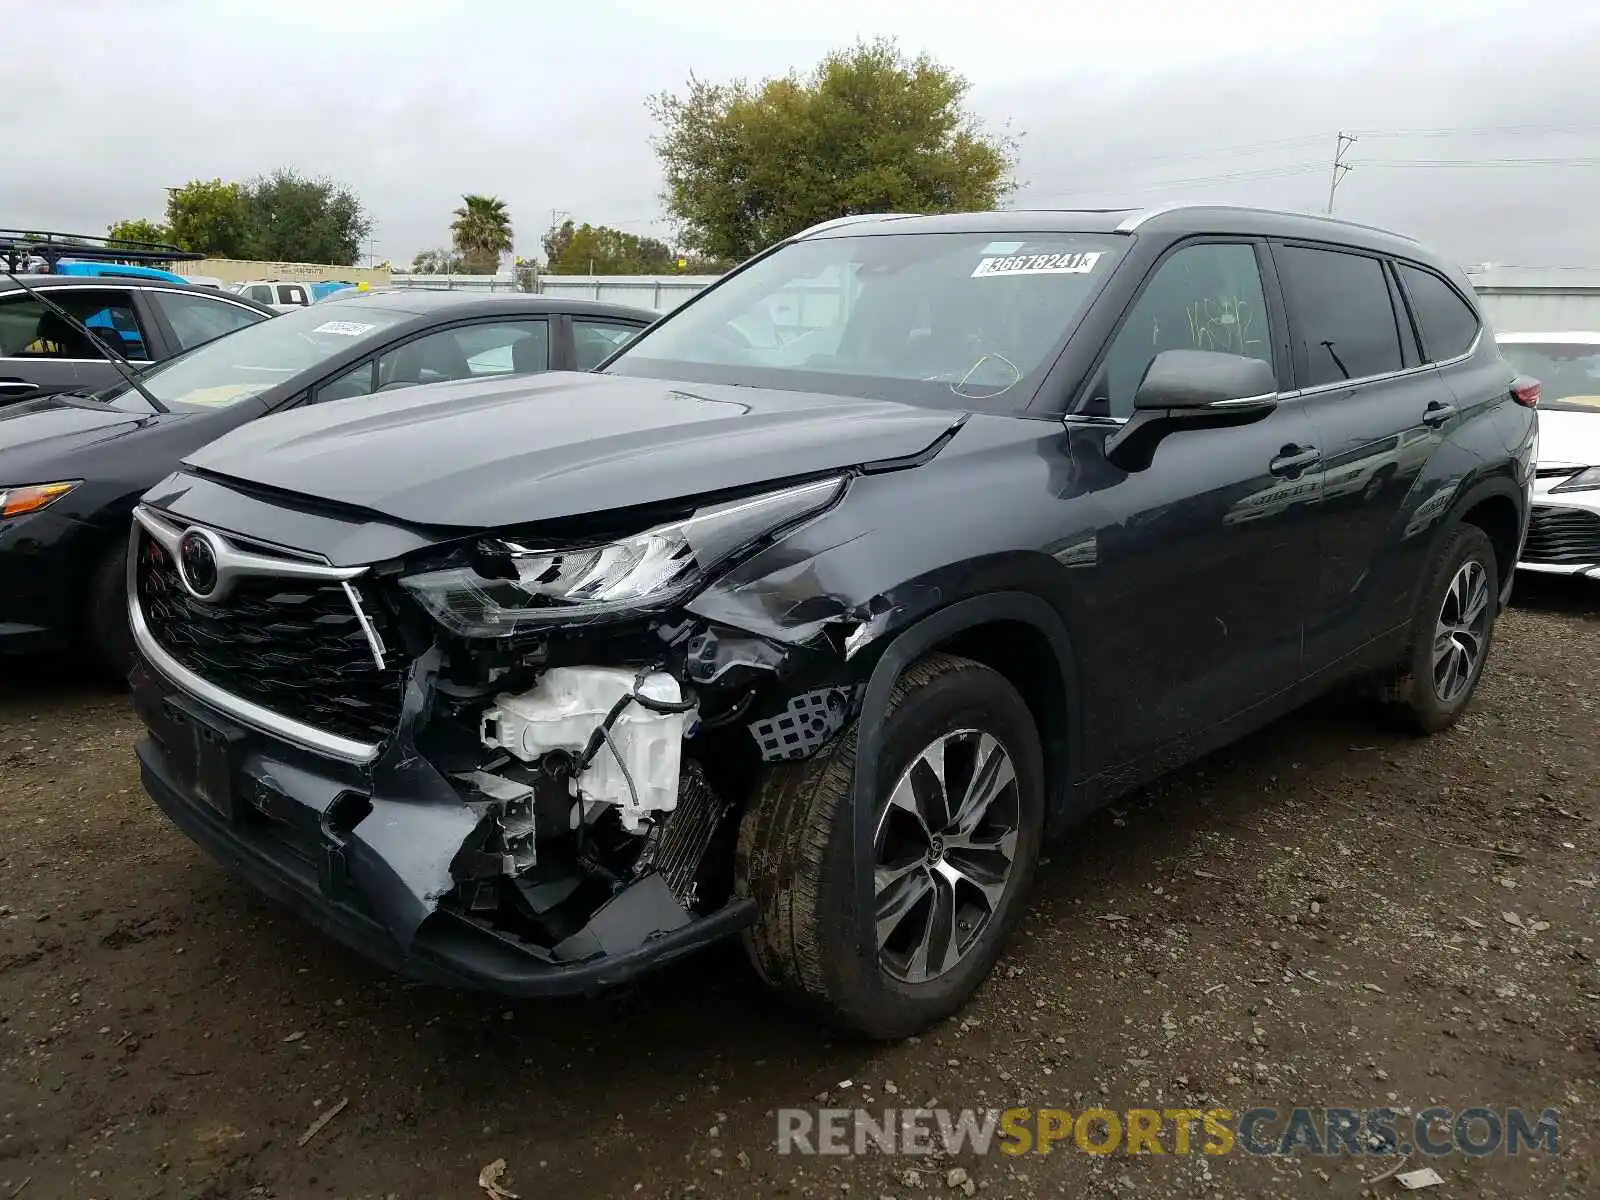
1481 162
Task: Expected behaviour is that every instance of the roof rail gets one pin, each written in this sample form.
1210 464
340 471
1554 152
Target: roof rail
19 247
1139 218
852 219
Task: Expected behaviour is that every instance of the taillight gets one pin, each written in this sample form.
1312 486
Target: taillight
1525 391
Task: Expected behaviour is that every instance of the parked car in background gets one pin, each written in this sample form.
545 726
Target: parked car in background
1564 532
145 320
72 466
283 297
143 312
810 635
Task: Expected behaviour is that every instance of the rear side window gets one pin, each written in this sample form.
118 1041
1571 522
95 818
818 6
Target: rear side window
291 293
594 341
196 320
1448 322
1340 314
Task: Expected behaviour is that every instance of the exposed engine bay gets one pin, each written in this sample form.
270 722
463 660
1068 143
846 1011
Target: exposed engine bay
608 797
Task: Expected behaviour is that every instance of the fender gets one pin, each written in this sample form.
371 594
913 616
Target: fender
1468 499
911 644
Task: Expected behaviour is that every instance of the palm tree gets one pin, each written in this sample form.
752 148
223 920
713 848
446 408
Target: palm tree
482 231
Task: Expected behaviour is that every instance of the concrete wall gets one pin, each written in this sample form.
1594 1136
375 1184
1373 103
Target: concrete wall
238 270
659 292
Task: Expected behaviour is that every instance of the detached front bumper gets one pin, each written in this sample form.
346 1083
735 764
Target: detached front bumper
311 834
1563 534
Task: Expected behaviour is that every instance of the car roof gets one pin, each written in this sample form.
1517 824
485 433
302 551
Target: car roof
432 301
102 282
1572 337
1175 219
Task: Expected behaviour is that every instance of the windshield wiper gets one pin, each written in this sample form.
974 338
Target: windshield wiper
123 366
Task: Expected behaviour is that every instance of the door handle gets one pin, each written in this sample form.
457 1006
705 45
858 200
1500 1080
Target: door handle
15 387
1292 460
1437 414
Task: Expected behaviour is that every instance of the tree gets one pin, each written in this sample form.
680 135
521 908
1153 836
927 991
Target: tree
138 229
481 233
867 130
600 250
435 262
209 216
290 218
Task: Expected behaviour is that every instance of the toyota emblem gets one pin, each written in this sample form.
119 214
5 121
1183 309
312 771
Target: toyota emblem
197 564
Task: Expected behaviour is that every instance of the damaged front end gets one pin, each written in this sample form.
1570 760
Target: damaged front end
555 803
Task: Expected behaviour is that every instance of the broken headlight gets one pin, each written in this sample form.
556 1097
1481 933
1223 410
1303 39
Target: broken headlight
517 587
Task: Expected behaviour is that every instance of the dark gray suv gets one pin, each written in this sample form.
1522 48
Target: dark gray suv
813 612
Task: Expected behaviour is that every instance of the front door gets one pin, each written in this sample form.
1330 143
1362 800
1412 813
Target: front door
1204 561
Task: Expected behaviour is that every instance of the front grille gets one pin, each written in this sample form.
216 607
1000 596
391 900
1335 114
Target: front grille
293 646
1562 537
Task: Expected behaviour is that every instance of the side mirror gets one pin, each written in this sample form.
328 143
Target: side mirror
1185 380
1191 389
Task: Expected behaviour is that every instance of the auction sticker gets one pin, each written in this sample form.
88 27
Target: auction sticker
344 328
1072 263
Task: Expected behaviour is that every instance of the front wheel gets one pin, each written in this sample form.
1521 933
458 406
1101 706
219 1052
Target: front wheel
957 823
1452 631
106 619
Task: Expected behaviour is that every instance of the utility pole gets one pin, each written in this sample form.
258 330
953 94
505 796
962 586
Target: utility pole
1340 167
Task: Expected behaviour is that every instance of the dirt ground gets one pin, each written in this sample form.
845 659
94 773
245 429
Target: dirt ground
1328 914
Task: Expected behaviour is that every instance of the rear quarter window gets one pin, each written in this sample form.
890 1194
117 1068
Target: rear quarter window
1448 323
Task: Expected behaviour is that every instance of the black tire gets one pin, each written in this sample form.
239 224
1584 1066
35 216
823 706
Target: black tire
1412 698
106 619
794 856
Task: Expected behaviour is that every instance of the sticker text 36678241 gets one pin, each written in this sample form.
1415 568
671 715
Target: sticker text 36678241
1078 263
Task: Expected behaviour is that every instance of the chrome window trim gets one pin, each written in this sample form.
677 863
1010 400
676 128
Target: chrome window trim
129 287
245 711
1318 389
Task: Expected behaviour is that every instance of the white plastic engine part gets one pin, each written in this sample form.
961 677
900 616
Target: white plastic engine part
564 709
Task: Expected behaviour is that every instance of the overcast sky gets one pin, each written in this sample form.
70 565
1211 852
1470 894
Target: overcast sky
543 104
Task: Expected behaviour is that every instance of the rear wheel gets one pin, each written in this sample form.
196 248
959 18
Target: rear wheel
957 822
106 621
1452 631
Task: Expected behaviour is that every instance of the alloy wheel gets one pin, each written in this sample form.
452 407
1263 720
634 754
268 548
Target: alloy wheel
1462 631
943 854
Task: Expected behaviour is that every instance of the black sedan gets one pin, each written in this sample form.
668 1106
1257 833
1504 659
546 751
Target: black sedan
72 466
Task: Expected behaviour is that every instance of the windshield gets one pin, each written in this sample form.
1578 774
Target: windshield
947 318
248 362
1569 371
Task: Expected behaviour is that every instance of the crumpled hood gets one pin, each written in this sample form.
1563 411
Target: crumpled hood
493 453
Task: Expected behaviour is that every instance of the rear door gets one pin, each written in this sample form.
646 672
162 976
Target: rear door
1374 404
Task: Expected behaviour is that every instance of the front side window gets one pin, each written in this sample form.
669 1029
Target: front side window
468 352
1448 323
259 292
1340 313
196 320
595 341
934 318
1203 297
28 329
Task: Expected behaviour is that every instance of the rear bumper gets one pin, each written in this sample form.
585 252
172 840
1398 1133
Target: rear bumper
282 835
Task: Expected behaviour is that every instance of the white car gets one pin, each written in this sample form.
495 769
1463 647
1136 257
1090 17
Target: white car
285 297
1564 531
